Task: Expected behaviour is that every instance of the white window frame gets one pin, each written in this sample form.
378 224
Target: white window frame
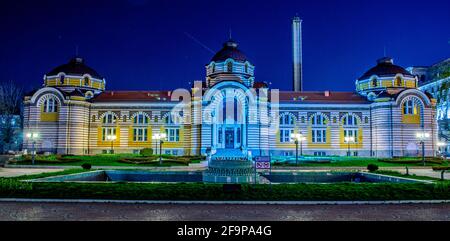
353 118
109 118
172 134
50 105
318 120
409 107
106 131
141 119
285 135
286 120
319 135
351 133
140 134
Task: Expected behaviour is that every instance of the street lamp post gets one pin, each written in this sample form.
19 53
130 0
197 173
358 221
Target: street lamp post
155 137
159 138
111 138
161 142
33 136
349 139
301 145
298 138
296 152
422 137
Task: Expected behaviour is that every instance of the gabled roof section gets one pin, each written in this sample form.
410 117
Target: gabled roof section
322 97
133 96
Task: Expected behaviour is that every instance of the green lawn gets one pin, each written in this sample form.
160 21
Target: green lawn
50 174
412 176
199 191
99 160
363 162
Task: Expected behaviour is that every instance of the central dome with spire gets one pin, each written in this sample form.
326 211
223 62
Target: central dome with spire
230 51
230 64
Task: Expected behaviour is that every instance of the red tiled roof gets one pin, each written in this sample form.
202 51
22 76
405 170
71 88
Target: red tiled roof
322 97
285 96
123 96
258 85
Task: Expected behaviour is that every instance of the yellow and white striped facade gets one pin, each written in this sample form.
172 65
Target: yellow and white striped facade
235 113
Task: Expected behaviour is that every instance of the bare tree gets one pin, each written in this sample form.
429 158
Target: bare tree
11 96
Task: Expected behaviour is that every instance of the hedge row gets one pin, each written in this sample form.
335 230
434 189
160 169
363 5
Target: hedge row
199 191
413 161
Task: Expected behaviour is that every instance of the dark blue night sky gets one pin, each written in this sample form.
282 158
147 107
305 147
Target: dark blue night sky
149 44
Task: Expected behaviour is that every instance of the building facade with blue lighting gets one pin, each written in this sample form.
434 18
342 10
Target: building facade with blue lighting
75 114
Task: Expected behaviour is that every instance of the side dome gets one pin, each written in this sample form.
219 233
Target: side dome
385 67
76 66
229 51
385 77
75 75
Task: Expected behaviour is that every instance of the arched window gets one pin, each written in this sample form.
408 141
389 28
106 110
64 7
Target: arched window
318 120
286 119
140 119
109 118
169 119
89 95
350 120
318 130
213 68
246 68
374 82
140 132
50 105
230 66
235 109
61 79
398 81
351 129
410 108
86 81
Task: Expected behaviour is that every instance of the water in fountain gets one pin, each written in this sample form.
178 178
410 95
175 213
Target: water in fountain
229 166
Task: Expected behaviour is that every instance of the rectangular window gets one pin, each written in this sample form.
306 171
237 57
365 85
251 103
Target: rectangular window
140 134
173 134
219 136
351 133
108 131
285 135
319 153
319 136
238 135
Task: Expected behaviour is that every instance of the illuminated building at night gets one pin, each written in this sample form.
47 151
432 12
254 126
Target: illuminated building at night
76 114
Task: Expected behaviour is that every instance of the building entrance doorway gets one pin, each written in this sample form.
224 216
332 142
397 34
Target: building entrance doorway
229 138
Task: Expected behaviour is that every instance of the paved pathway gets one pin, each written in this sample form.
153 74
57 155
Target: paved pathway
14 172
425 172
207 212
